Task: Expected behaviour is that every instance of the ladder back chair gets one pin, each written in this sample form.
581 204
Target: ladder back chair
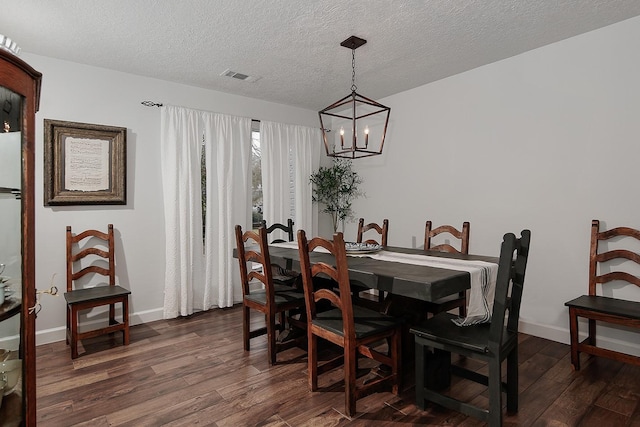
286 229
99 260
454 301
356 329
252 247
382 232
606 264
491 343
283 276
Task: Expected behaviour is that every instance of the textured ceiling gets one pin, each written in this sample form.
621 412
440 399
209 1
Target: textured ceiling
294 46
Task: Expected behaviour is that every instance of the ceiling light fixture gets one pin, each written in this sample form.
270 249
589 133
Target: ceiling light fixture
361 123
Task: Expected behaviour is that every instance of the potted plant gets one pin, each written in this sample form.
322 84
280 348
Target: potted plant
336 187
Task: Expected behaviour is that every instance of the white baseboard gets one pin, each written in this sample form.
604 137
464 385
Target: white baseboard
48 336
562 335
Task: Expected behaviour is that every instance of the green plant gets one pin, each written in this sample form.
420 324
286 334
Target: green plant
336 187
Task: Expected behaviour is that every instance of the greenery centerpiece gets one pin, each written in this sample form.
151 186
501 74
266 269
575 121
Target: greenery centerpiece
336 187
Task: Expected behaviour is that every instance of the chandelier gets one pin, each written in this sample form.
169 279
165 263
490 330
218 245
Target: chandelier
355 126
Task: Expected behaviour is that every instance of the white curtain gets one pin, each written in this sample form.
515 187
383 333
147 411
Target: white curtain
289 152
228 157
277 195
195 280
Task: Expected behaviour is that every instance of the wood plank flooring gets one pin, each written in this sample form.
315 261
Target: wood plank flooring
193 371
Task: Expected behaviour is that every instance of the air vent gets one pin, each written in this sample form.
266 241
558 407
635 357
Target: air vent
239 76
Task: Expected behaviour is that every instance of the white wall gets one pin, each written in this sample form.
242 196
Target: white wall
547 140
79 93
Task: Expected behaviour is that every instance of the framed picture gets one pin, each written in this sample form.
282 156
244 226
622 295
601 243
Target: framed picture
84 164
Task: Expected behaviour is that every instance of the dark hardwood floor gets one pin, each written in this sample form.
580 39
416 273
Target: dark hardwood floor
193 371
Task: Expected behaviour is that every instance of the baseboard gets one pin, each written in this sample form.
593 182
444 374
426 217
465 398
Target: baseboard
47 336
562 335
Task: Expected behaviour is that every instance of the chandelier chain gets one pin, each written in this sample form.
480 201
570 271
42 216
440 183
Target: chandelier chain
353 70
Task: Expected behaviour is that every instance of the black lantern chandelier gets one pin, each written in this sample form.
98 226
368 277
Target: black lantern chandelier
354 126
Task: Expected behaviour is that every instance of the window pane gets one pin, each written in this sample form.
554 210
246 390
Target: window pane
256 179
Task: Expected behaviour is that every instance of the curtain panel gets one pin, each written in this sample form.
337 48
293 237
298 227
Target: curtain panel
290 154
200 276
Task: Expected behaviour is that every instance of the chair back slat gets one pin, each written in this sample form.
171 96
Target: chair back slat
383 232
598 270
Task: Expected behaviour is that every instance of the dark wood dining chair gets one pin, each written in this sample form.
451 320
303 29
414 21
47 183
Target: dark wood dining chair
355 329
287 230
381 234
265 300
453 301
491 343
283 276
95 255
607 264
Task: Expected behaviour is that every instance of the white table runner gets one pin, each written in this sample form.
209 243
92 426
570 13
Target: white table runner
483 278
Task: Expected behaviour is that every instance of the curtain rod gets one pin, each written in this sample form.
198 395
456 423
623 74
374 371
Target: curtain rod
156 104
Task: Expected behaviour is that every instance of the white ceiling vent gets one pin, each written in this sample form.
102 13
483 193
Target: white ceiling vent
239 76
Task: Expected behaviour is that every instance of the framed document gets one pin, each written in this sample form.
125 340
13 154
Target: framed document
84 164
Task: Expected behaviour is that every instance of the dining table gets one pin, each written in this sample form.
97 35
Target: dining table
412 280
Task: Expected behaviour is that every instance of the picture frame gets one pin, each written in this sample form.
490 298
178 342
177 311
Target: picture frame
84 164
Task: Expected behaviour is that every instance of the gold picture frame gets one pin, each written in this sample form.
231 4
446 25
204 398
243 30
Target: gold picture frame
84 164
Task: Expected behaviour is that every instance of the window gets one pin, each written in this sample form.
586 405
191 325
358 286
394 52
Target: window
256 175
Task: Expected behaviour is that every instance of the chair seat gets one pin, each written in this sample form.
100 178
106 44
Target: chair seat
280 297
441 329
606 305
97 293
367 322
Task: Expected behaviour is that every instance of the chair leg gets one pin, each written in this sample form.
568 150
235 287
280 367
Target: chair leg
246 322
74 332
68 332
271 338
350 358
495 393
312 356
112 314
125 321
512 381
592 332
573 330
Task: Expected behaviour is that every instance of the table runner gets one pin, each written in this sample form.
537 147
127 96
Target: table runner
483 278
